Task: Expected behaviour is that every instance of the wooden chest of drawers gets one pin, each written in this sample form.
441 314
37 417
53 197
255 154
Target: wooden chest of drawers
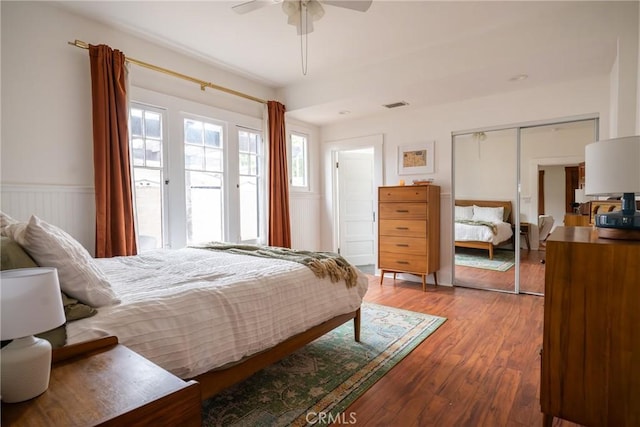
409 230
591 342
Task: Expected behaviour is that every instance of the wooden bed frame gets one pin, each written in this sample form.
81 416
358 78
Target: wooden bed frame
489 204
214 381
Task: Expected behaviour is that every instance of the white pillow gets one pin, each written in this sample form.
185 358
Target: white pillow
15 231
79 276
6 220
493 215
463 212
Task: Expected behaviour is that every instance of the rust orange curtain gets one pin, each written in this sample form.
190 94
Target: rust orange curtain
115 232
279 222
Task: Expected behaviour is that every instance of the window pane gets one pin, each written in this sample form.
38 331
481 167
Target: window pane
253 144
193 157
204 207
137 151
249 214
244 164
153 153
148 202
136 122
192 132
298 161
253 170
250 192
152 126
243 141
212 135
214 160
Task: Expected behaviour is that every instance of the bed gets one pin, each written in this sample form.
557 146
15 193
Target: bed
210 315
483 224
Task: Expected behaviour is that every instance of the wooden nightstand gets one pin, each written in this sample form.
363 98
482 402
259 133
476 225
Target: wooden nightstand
103 383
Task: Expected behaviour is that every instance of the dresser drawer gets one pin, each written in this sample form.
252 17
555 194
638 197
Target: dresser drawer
403 245
411 193
403 211
402 262
403 227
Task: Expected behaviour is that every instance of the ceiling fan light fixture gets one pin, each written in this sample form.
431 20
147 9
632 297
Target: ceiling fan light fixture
302 13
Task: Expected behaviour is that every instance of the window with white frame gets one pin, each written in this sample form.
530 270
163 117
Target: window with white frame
147 149
196 180
204 180
299 161
251 160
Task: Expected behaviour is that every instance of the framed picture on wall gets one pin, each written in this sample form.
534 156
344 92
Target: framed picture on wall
416 159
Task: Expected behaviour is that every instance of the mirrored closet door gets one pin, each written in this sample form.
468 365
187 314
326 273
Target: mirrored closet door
485 191
551 158
544 162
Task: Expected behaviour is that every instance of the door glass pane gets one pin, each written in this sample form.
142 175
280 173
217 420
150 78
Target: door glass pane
153 153
152 125
148 194
249 211
204 207
485 189
249 158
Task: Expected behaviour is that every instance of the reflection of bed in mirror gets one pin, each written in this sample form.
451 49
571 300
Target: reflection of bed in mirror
483 224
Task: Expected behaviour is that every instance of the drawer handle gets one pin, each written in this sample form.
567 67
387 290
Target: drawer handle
402 211
403 262
402 245
402 228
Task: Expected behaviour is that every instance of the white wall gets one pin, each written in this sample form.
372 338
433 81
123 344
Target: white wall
624 78
638 81
46 98
409 126
554 186
46 103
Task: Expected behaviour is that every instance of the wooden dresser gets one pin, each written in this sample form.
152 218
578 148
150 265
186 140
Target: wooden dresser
409 230
591 341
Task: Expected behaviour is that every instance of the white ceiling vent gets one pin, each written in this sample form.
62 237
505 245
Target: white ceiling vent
396 104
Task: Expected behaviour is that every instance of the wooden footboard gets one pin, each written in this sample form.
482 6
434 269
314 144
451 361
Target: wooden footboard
477 245
213 382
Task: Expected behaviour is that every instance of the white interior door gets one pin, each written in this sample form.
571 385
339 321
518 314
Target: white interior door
356 205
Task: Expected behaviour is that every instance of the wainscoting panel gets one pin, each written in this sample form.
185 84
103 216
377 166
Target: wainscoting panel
71 208
305 221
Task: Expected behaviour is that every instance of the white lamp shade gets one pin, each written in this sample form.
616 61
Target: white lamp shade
612 166
580 196
30 302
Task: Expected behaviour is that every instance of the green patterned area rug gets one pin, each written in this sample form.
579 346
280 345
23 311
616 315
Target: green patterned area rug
315 385
502 260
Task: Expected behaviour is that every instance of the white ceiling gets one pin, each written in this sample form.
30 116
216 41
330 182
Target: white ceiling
421 52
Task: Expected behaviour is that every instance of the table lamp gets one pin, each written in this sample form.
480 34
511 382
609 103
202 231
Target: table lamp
612 167
31 303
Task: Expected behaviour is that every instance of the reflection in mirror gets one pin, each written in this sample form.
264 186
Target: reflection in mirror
485 188
550 180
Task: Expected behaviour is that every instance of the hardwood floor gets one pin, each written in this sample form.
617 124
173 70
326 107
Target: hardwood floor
480 368
531 275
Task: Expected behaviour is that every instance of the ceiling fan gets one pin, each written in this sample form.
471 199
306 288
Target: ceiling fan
302 13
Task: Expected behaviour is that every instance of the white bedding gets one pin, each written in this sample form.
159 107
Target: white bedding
192 310
482 233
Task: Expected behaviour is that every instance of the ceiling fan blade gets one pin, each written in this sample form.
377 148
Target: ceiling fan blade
251 5
359 5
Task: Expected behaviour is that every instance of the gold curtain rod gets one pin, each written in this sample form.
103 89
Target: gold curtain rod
203 84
